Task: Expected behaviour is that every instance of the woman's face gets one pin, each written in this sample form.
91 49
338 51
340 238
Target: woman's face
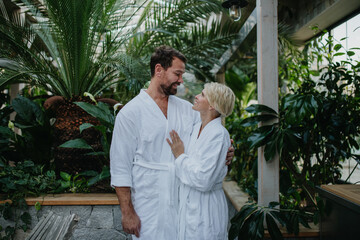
201 103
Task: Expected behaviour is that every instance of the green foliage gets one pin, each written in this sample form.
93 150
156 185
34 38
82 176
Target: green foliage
249 222
26 178
316 128
17 182
191 27
243 168
82 181
35 141
103 47
80 46
107 119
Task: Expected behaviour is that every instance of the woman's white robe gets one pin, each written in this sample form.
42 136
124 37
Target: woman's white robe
203 211
141 158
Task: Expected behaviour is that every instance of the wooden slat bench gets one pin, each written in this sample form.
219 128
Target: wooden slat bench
53 227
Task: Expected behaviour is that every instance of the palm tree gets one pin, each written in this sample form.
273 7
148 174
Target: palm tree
92 45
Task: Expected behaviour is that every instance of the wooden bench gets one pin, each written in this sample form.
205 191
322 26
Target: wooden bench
53 227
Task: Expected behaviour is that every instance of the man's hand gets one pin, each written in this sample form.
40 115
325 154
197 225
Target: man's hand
131 223
230 153
130 220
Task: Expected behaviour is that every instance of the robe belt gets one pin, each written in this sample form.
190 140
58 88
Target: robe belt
163 167
217 186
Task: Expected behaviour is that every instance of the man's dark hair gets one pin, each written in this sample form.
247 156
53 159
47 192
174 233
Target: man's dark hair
164 55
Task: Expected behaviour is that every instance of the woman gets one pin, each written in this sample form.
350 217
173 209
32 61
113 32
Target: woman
203 211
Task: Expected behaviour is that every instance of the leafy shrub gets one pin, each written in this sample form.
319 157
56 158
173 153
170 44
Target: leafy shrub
316 128
34 142
17 182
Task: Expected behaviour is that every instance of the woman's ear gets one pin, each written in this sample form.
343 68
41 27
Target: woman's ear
212 109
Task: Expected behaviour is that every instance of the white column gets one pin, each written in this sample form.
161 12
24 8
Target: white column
267 70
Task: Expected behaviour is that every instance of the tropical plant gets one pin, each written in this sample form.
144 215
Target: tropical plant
199 29
35 141
317 125
106 118
18 181
243 168
89 46
315 129
81 182
250 222
81 46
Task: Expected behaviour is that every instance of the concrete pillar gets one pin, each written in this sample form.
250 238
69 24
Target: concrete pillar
267 71
220 77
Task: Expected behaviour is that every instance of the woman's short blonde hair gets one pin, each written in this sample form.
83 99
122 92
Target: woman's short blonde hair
220 97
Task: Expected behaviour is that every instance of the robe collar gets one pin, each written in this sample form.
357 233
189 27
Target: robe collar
213 122
148 99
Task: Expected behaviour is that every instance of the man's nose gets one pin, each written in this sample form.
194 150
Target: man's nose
181 80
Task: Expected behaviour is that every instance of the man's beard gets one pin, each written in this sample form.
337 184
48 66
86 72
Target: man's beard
169 90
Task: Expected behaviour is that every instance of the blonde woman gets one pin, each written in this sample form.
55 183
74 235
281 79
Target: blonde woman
203 211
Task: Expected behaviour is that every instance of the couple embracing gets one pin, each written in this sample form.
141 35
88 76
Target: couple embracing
167 161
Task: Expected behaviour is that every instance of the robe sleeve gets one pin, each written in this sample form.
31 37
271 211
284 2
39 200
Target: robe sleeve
122 151
202 170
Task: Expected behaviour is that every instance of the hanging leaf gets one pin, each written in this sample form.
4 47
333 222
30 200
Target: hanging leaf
273 228
250 121
258 108
76 143
85 126
337 47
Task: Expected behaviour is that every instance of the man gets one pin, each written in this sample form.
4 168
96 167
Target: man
141 161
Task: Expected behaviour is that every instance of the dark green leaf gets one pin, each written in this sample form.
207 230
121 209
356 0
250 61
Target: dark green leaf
273 228
65 176
256 119
76 143
89 173
102 115
258 108
350 53
26 218
85 126
337 47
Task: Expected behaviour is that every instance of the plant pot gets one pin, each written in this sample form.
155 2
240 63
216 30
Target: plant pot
69 117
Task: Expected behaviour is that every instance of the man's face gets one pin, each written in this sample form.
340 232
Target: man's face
172 77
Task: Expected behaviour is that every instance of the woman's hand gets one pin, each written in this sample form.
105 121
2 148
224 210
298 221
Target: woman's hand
177 146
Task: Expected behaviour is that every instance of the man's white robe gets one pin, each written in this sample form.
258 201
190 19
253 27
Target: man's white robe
141 158
203 211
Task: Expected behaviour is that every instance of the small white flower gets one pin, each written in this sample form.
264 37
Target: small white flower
86 94
11 125
116 107
52 121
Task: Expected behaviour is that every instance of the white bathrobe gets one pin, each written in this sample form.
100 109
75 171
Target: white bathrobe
141 158
203 211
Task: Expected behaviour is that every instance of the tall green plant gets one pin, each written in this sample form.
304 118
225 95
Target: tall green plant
87 46
317 125
82 46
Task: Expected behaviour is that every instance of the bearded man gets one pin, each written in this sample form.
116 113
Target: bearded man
141 162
